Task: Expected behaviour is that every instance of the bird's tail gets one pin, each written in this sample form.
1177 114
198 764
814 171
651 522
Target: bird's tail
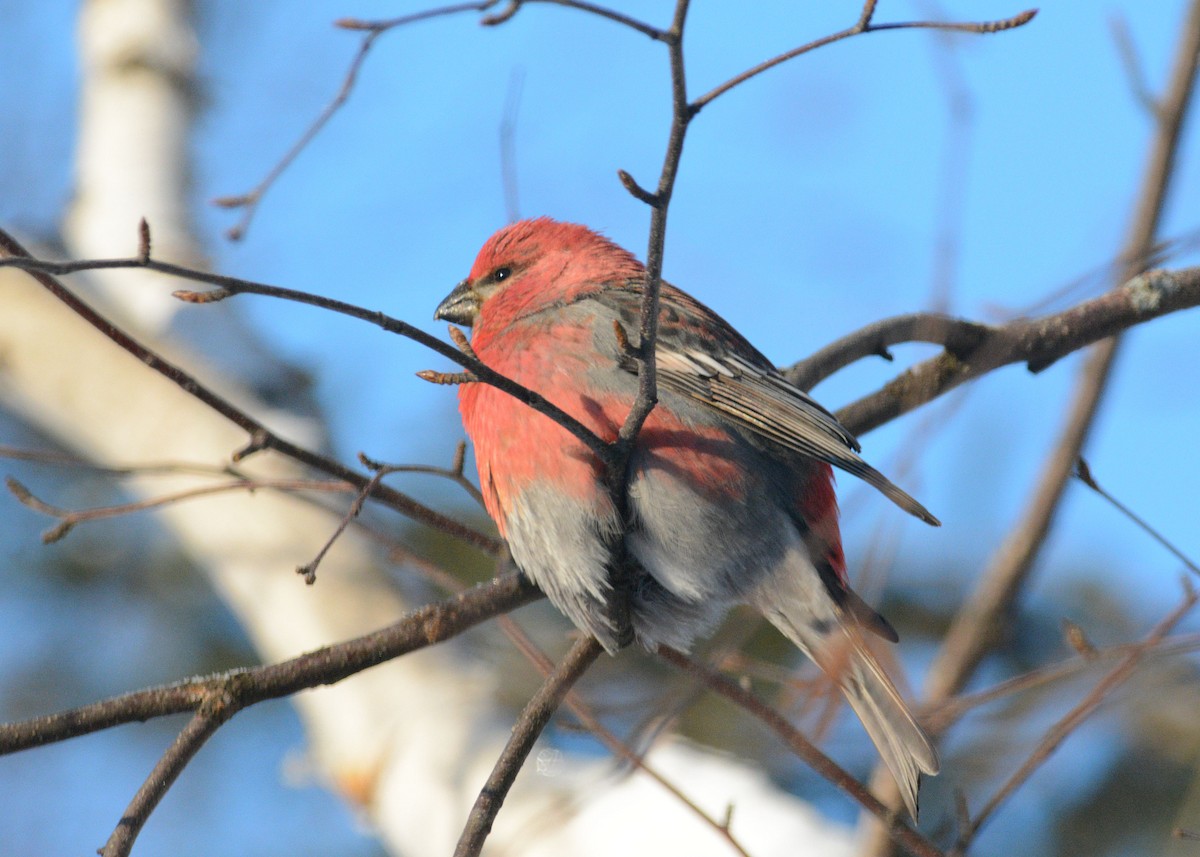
904 746
835 642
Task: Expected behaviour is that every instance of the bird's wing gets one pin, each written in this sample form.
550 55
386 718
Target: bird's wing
721 370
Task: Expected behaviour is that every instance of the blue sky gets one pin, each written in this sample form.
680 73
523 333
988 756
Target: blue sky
809 203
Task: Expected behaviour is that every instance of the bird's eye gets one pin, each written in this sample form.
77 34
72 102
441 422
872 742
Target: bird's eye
501 274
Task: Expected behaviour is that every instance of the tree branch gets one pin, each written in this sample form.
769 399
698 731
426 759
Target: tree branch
960 338
862 26
975 629
528 728
423 627
1038 343
213 713
1070 721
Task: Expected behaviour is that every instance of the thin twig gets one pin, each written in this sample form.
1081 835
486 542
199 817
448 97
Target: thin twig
454 472
959 337
976 626
1134 73
309 569
526 731
861 27
382 24
70 518
619 601
250 200
582 6
1084 474
1069 722
941 717
955 173
151 468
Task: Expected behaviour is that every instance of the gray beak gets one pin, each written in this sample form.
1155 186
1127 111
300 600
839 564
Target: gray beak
460 306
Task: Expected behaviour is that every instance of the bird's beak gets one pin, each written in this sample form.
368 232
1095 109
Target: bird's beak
460 306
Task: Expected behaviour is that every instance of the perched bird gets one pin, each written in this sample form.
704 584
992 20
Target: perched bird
730 490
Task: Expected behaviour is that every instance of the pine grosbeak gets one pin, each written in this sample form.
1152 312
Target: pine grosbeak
730 491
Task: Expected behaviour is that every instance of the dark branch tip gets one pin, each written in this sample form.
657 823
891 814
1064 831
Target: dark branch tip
501 16
18 489
371 463
636 190
627 348
259 440
57 532
1084 474
143 241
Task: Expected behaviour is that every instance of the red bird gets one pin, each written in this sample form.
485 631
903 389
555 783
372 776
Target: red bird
730 490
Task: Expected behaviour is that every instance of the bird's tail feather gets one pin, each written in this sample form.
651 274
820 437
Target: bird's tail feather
835 642
904 746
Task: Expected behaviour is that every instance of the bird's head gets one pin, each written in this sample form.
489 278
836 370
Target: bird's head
534 264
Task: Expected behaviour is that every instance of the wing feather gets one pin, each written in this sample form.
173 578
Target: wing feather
725 373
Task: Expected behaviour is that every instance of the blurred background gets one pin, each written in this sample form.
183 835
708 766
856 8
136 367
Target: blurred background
986 176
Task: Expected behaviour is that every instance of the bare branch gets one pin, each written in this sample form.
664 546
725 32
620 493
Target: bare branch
250 200
974 630
620 748
1038 343
309 570
71 518
423 627
383 24
1134 72
528 728
960 338
454 472
1084 474
862 26
942 716
1059 732
213 713
261 437
582 6
622 581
